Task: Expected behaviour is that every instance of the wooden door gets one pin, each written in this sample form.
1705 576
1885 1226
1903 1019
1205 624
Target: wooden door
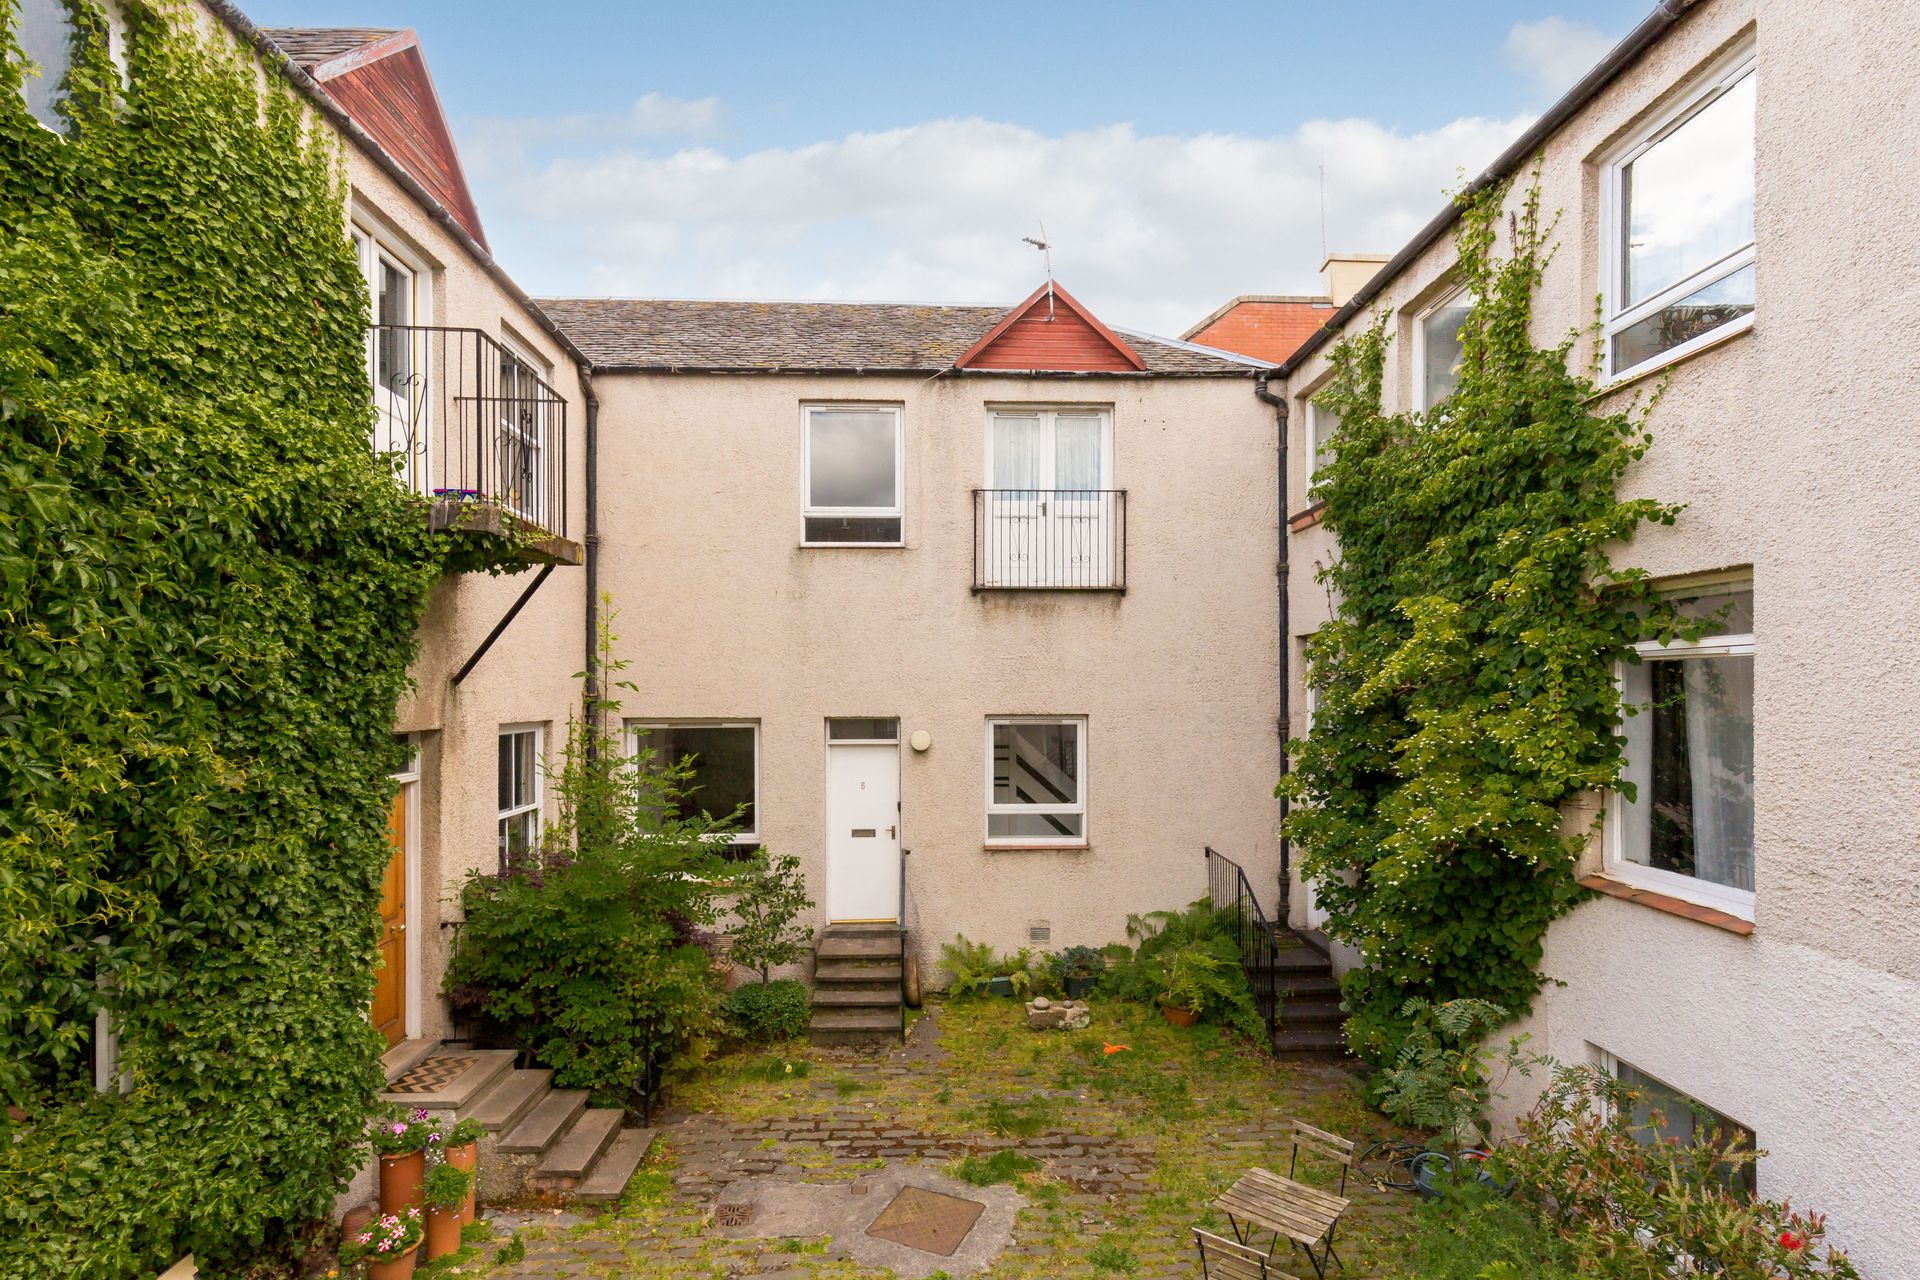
389 1011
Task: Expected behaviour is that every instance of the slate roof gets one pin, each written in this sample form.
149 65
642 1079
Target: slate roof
311 46
803 337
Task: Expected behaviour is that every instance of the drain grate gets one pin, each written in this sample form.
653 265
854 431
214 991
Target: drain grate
927 1220
732 1215
433 1075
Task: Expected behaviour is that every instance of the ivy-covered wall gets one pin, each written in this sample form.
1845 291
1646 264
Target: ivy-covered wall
209 588
1465 681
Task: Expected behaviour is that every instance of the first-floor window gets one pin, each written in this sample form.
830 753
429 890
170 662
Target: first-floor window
1036 780
1438 347
519 794
1661 1113
725 760
854 471
1322 423
1688 828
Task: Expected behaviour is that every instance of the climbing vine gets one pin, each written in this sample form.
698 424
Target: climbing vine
1465 684
208 585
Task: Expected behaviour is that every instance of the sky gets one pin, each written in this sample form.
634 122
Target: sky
1176 154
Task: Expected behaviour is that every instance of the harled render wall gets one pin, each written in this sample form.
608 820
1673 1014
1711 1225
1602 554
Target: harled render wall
526 678
1794 447
725 615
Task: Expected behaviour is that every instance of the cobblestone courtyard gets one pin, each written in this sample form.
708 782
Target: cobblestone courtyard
1115 1155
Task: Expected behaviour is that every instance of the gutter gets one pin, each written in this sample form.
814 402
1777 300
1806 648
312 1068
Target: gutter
1285 649
1665 14
278 60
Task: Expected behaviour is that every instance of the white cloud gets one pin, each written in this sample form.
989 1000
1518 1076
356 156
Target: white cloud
500 146
1555 53
1151 231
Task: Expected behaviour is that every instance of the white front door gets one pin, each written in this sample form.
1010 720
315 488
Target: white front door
863 831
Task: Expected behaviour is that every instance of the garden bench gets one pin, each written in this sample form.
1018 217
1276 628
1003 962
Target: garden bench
1263 1201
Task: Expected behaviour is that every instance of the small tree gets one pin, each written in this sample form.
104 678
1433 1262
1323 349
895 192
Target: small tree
772 896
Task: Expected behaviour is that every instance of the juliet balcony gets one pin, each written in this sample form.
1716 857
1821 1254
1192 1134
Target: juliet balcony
475 428
1050 540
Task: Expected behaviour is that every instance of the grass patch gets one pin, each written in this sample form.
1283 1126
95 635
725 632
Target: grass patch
1108 1256
847 1086
773 1069
1001 1166
1017 1118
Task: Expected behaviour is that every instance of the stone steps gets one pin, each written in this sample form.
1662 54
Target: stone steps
545 1122
504 1105
618 1163
856 991
568 1160
483 1067
1311 1020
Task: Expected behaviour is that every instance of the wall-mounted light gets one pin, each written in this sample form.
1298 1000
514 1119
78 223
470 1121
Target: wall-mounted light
920 740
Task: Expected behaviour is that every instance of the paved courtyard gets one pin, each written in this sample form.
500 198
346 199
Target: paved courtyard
979 1148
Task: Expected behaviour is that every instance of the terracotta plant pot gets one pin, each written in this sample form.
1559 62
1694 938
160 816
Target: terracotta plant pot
443 1232
400 1179
466 1158
1177 1016
400 1268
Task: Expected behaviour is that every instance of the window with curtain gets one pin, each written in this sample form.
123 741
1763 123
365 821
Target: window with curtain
852 457
1439 346
1688 829
1680 236
45 34
1036 780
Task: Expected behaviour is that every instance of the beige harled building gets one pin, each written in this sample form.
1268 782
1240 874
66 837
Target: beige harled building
1732 188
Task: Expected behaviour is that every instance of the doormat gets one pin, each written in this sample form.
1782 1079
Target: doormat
432 1075
927 1220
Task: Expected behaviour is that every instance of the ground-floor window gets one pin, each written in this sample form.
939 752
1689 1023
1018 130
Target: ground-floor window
1688 828
519 793
1036 780
1661 1113
725 758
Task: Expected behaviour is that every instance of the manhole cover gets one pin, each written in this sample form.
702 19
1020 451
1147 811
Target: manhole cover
732 1215
433 1075
927 1220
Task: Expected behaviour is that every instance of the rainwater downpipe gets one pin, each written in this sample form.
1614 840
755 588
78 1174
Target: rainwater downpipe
591 544
1285 647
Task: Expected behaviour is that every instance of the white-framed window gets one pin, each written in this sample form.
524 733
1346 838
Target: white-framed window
1677 232
875 730
1688 830
853 475
396 355
49 39
725 755
519 791
1322 423
524 405
1661 1113
1064 452
1436 348
1049 516
1037 780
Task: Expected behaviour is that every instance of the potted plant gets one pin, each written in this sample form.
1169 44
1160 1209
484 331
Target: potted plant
401 1138
387 1246
446 1190
463 1152
1078 969
1192 977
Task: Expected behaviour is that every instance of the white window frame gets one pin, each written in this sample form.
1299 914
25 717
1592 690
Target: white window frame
1048 415
1614 862
637 727
1080 771
535 807
1313 443
898 511
116 26
369 248
1728 72
534 442
1419 343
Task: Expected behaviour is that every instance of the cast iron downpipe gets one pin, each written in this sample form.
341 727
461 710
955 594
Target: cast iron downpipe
1279 404
591 544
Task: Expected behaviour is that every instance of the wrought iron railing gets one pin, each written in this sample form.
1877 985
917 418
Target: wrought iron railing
1049 539
1228 890
468 420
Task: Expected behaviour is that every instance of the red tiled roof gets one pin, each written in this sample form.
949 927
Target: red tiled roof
1264 327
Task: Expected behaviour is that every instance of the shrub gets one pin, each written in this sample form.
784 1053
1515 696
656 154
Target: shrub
1442 1078
766 1012
1203 944
445 1186
1632 1209
587 953
1471 1233
771 893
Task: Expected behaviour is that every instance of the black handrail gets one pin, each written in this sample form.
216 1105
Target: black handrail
1229 890
902 923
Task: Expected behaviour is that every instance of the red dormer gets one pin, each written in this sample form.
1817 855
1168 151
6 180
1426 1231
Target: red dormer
1051 333
379 77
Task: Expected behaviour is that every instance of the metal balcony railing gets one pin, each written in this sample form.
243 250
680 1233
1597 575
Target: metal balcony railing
1049 539
469 421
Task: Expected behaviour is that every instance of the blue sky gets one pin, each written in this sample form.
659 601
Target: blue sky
902 150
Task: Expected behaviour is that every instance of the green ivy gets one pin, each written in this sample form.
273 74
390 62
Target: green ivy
209 589
1465 684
